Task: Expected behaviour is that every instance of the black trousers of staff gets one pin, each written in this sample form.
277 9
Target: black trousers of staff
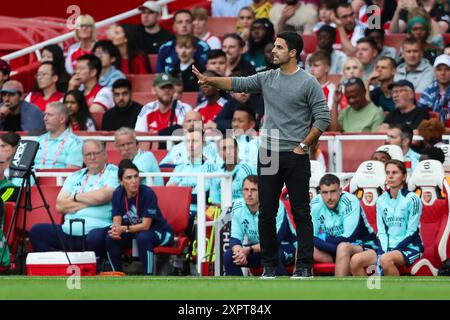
274 170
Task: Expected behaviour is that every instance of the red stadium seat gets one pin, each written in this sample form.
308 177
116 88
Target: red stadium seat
39 213
153 60
190 98
159 154
141 82
143 97
9 210
309 43
113 156
176 213
51 181
98 118
395 40
219 26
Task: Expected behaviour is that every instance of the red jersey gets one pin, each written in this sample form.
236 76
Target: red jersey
38 100
139 65
157 120
210 111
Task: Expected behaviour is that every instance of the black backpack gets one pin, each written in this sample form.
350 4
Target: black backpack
444 269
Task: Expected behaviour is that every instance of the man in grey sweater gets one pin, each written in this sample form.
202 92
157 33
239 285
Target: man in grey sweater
296 114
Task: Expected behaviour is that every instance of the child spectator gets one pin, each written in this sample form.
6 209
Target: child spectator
200 21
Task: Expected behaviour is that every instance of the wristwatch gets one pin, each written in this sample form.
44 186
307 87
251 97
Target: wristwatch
304 146
75 197
128 229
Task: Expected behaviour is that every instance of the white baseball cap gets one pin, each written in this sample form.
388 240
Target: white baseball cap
151 5
442 59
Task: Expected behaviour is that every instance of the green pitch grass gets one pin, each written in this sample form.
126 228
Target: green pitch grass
227 288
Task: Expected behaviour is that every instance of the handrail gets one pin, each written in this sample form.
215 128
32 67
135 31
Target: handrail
122 16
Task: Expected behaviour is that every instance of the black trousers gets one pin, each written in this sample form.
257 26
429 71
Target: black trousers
274 170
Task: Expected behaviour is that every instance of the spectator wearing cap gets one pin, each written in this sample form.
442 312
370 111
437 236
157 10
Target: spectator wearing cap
5 70
47 78
326 37
228 8
361 115
85 34
436 97
405 111
15 113
125 110
261 33
182 26
150 35
200 15
164 112
415 69
294 15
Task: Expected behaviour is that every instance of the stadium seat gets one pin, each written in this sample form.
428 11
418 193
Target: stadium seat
141 82
98 118
446 149
395 40
317 172
393 150
335 79
159 154
153 60
434 222
427 181
309 42
143 97
190 98
219 26
368 181
39 213
52 181
113 156
176 213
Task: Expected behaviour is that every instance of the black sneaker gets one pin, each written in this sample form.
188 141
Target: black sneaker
177 272
269 273
302 273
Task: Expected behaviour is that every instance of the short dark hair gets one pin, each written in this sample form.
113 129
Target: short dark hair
182 11
369 31
406 131
252 178
249 110
122 83
355 81
329 179
293 40
111 49
434 153
392 61
214 54
328 29
320 55
236 37
368 40
55 68
10 138
94 63
342 5
126 164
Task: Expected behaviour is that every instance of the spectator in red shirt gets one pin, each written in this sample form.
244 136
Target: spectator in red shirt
213 103
85 34
166 112
47 78
86 79
133 60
